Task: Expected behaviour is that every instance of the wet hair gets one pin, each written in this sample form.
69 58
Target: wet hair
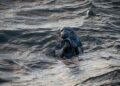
66 32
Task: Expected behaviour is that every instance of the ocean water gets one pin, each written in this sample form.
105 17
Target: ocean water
28 33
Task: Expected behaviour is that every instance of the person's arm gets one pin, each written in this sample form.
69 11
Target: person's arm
66 45
80 44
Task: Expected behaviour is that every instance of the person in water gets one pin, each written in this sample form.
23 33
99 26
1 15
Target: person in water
68 45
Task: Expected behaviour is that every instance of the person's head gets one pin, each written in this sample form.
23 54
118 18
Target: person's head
66 32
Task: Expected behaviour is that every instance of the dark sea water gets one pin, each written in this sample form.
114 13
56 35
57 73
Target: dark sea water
28 33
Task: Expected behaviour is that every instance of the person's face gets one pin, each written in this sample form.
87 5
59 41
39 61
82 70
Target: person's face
64 34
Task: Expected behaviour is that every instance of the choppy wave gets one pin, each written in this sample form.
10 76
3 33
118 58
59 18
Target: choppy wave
28 30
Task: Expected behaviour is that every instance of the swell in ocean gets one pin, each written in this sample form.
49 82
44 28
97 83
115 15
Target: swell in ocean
28 34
